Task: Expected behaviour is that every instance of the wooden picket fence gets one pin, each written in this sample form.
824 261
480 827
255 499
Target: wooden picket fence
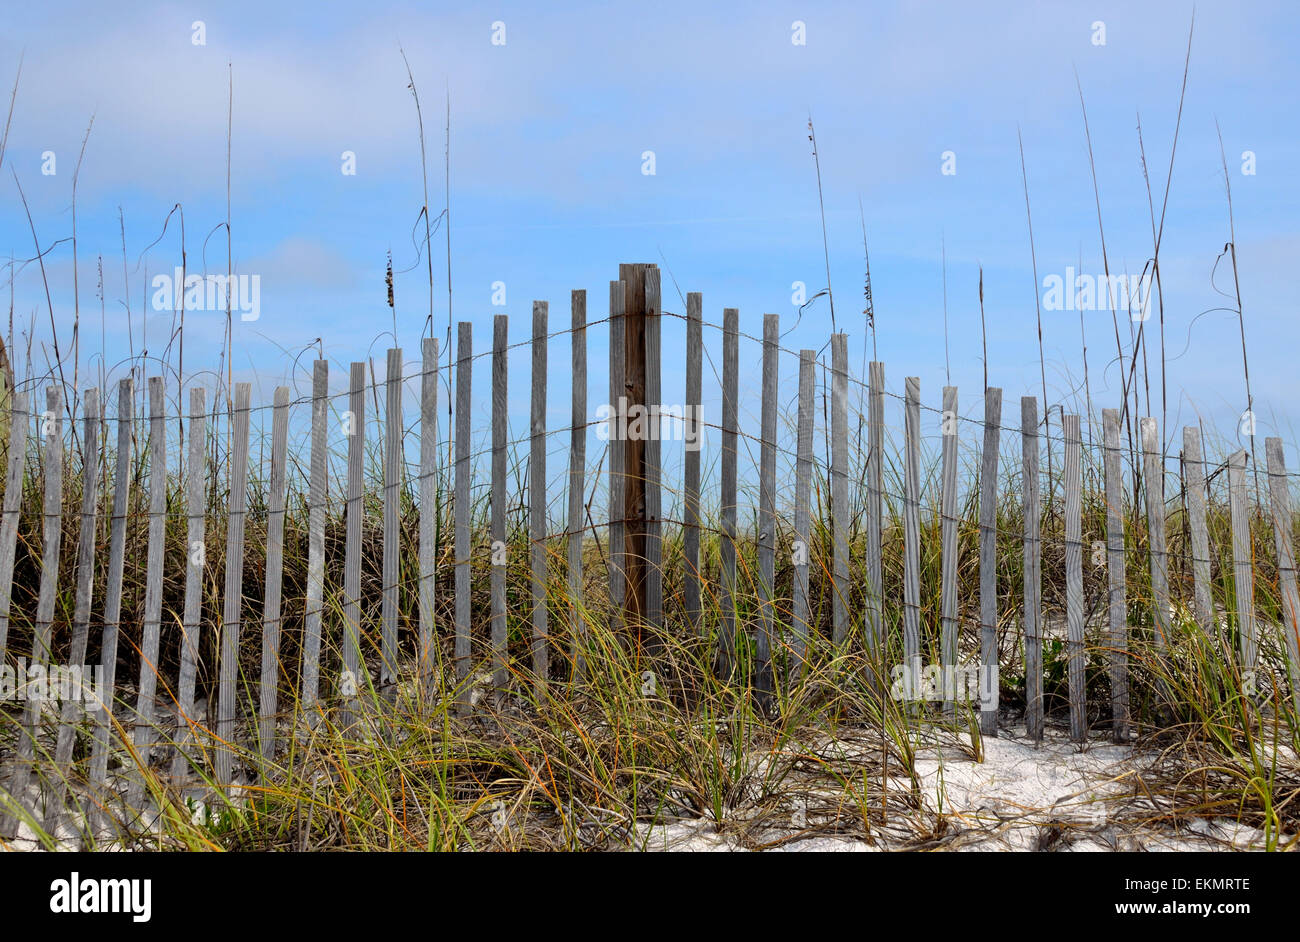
632 542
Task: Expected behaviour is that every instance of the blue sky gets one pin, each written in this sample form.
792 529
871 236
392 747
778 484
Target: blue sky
547 191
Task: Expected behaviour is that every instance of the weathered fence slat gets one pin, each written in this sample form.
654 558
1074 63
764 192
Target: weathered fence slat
730 429
1033 570
1074 577
195 560
875 512
912 528
1242 570
354 677
634 445
802 514
42 640
427 677
1153 474
1115 575
693 434
145 727
537 501
1279 489
989 558
233 597
464 365
269 688
577 475
500 549
85 578
767 635
112 605
19 420
145 707
654 573
394 429
1194 486
52 517
948 539
316 498
840 511
617 453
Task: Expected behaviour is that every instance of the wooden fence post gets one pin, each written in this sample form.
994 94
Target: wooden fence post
316 498
1116 577
577 476
1242 568
876 645
730 429
500 548
19 419
112 605
767 635
394 429
989 560
537 501
801 621
694 439
912 529
268 690
1154 480
1194 486
635 452
195 561
948 538
42 640
147 691
233 596
1074 577
1280 500
429 659
840 489
617 453
354 678
1033 571
464 366
654 573
81 611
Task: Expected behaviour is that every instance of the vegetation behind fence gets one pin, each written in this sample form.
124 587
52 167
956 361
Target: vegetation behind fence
238 596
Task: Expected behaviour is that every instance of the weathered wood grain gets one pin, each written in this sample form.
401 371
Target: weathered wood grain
767 639
394 432
989 558
691 463
1074 577
948 542
1033 569
577 479
801 620
233 596
840 511
195 564
728 642
269 688
537 503
1116 577
500 548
